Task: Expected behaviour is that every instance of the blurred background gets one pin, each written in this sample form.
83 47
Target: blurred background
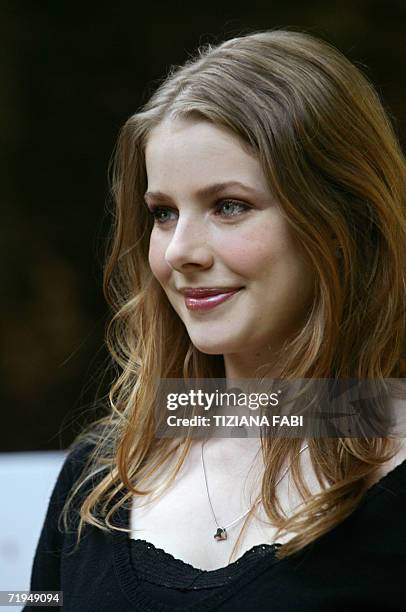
71 74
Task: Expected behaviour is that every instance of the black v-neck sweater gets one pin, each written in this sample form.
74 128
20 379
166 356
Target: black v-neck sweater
359 565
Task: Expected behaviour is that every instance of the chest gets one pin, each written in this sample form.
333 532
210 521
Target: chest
182 521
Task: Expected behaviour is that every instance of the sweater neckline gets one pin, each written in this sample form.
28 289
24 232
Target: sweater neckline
381 484
162 568
135 589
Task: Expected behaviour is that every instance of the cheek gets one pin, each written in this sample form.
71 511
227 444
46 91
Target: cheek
252 252
245 257
156 257
266 252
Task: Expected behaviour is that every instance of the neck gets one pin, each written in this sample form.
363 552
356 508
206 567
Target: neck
252 365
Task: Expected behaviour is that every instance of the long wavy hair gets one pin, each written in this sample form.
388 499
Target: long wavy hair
334 164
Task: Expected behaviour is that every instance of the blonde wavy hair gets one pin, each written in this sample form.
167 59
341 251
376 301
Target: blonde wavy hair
334 164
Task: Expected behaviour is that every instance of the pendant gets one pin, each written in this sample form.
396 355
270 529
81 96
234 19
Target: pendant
221 534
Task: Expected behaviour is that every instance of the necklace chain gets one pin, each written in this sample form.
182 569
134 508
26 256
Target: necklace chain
237 520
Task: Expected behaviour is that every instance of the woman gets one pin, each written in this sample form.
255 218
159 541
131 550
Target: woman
259 233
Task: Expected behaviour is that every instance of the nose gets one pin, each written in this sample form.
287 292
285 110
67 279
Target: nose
189 247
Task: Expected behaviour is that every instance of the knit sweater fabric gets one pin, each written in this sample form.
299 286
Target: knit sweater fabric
358 565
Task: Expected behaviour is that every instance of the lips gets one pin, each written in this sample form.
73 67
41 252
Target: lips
202 292
206 298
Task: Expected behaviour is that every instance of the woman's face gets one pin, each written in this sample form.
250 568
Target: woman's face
218 227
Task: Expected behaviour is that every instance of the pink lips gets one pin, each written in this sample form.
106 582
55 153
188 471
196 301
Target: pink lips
201 299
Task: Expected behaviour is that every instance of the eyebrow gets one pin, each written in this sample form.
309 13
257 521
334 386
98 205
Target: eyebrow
204 192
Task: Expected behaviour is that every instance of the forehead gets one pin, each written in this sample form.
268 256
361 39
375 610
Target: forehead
190 151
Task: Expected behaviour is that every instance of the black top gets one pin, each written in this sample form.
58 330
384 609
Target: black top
359 565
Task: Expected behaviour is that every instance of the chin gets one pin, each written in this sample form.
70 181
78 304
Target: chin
216 347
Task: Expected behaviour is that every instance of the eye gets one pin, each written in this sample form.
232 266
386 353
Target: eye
225 209
161 214
231 208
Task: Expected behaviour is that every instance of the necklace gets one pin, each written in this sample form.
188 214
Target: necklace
221 532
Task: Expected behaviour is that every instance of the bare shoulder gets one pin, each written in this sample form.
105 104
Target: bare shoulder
398 414
390 465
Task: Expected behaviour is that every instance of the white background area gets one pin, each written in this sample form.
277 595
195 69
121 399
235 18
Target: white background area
26 484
